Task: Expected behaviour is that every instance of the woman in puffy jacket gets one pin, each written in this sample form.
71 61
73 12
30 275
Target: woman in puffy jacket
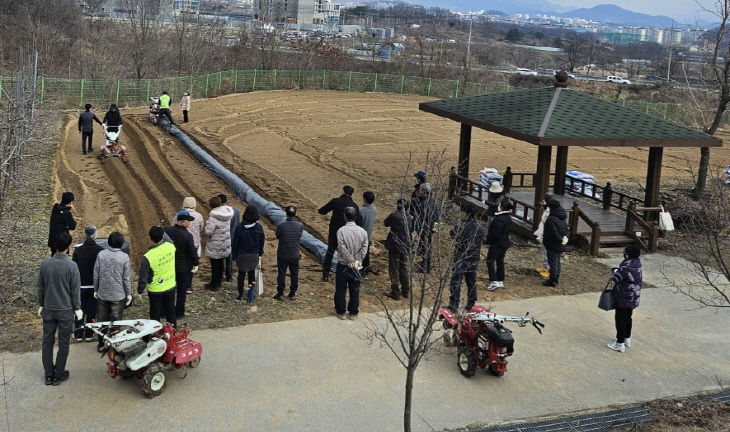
218 246
626 292
247 246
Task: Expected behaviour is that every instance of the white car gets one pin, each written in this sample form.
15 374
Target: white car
525 71
570 75
617 79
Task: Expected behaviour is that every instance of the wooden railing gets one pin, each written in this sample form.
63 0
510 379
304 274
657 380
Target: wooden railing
651 227
576 214
526 208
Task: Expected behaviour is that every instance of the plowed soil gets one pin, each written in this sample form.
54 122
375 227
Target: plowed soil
300 148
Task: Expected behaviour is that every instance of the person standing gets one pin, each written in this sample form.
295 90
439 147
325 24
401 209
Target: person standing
112 281
198 225
495 197
248 247
234 222
420 179
425 217
157 274
62 221
186 257
165 106
289 234
398 244
218 246
352 245
59 302
627 292
543 271
468 238
337 220
185 106
86 128
112 118
369 213
555 237
85 258
498 241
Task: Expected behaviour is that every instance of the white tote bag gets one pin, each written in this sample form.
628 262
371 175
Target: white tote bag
665 221
259 278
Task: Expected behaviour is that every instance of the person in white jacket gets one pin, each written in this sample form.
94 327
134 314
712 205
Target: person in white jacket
196 227
218 246
185 106
544 271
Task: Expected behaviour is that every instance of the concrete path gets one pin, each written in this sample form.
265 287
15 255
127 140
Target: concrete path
319 375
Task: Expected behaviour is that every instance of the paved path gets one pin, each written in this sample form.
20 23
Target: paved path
319 375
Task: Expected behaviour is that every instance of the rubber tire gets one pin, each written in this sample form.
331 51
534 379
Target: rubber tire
194 362
466 361
494 371
150 376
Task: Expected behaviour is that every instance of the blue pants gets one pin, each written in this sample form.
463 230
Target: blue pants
347 279
293 266
84 137
455 286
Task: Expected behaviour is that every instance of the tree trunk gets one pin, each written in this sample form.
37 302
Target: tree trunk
702 172
410 371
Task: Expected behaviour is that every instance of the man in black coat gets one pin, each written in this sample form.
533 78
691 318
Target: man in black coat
468 238
398 243
62 221
288 253
555 237
498 241
337 206
85 257
425 216
186 258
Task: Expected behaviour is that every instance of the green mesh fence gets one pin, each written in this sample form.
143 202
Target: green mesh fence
66 93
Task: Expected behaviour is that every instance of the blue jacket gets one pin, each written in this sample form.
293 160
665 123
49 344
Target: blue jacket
628 284
248 240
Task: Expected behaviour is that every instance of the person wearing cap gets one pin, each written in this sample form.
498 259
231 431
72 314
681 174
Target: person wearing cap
157 275
112 281
86 128
62 221
420 179
186 257
248 247
185 105
495 197
626 293
337 206
165 106
288 253
425 216
85 257
555 237
498 241
198 225
468 238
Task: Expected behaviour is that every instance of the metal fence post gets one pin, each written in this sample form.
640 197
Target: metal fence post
207 80
375 84
220 80
349 81
1 88
43 88
148 90
191 84
402 82
116 99
253 88
666 108
324 78
82 92
457 89
275 79
486 88
235 81
299 78
428 91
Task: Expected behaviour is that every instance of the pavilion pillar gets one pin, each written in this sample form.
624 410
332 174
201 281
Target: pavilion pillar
464 149
542 181
561 167
653 177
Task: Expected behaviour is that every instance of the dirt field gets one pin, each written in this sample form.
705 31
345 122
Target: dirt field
300 148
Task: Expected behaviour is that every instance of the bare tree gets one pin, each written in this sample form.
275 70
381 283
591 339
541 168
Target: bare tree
144 29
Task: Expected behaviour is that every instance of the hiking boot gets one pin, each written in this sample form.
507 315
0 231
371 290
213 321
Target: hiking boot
617 346
549 283
392 294
279 297
63 377
49 379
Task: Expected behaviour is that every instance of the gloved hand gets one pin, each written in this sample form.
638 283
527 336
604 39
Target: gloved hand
96 295
565 240
79 314
539 239
40 311
139 296
129 300
194 269
357 265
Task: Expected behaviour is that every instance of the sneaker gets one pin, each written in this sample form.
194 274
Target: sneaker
58 380
549 283
49 380
78 339
189 291
292 297
501 284
493 286
325 278
279 297
391 294
627 342
353 317
89 339
342 316
617 346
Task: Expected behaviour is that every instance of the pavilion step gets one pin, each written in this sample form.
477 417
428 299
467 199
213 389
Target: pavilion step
615 240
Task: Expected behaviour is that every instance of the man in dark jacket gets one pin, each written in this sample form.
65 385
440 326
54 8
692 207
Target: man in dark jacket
498 241
85 257
425 216
398 243
186 257
555 237
337 206
420 179
289 234
468 238
59 300
234 221
61 220
86 128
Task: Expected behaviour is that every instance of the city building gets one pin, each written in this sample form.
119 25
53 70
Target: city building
185 6
304 14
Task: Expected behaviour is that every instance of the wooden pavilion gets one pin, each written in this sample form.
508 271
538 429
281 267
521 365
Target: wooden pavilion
562 118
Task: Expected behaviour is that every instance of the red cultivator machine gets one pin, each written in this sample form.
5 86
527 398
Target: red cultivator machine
148 350
481 338
111 147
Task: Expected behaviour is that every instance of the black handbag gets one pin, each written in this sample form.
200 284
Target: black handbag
607 299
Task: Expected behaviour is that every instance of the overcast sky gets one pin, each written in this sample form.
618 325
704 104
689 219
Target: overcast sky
683 10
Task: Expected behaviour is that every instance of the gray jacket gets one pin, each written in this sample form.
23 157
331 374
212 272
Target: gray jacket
59 284
218 230
352 244
112 275
289 234
368 212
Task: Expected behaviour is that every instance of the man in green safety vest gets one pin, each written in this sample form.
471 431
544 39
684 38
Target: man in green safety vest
157 274
165 106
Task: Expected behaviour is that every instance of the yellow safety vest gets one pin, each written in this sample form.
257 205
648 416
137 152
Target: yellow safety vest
162 265
165 101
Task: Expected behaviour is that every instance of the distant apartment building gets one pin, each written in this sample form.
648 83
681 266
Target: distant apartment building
326 12
185 6
652 35
381 33
304 13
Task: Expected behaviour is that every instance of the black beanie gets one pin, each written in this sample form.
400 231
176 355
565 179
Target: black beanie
67 197
632 251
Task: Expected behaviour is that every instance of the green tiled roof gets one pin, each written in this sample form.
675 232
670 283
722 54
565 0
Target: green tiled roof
559 116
